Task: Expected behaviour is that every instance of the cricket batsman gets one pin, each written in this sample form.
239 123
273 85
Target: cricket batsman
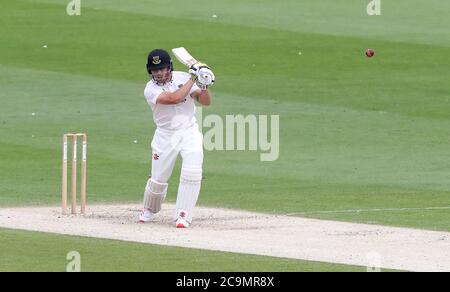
171 96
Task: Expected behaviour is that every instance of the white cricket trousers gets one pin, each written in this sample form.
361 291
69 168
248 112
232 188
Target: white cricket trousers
166 146
165 149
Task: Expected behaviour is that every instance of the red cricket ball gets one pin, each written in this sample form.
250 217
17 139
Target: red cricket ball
370 53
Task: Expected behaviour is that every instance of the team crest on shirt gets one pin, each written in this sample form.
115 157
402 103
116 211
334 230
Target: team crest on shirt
155 156
156 60
180 85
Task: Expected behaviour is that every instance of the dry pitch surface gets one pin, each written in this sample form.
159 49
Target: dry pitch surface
251 233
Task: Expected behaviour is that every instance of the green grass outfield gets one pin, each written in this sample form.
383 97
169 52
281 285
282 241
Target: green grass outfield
34 251
356 133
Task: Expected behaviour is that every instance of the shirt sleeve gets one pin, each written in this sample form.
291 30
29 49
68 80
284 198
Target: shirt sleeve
151 94
194 88
185 78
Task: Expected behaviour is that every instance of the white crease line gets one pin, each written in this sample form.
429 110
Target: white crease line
368 210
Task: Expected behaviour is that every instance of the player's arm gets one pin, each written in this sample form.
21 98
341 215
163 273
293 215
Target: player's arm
203 96
176 96
205 77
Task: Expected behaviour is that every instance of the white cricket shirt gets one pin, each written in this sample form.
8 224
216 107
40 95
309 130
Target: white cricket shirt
171 117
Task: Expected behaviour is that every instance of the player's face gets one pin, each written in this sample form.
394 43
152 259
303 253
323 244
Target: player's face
161 75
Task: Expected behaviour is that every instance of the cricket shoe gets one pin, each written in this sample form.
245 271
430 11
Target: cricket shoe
181 221
146 216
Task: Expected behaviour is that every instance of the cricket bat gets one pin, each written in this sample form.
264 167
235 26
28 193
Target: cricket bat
184 57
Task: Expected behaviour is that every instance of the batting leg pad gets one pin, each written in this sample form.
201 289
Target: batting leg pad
188 191
155 193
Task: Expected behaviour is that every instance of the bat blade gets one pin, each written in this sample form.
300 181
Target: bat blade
183 56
